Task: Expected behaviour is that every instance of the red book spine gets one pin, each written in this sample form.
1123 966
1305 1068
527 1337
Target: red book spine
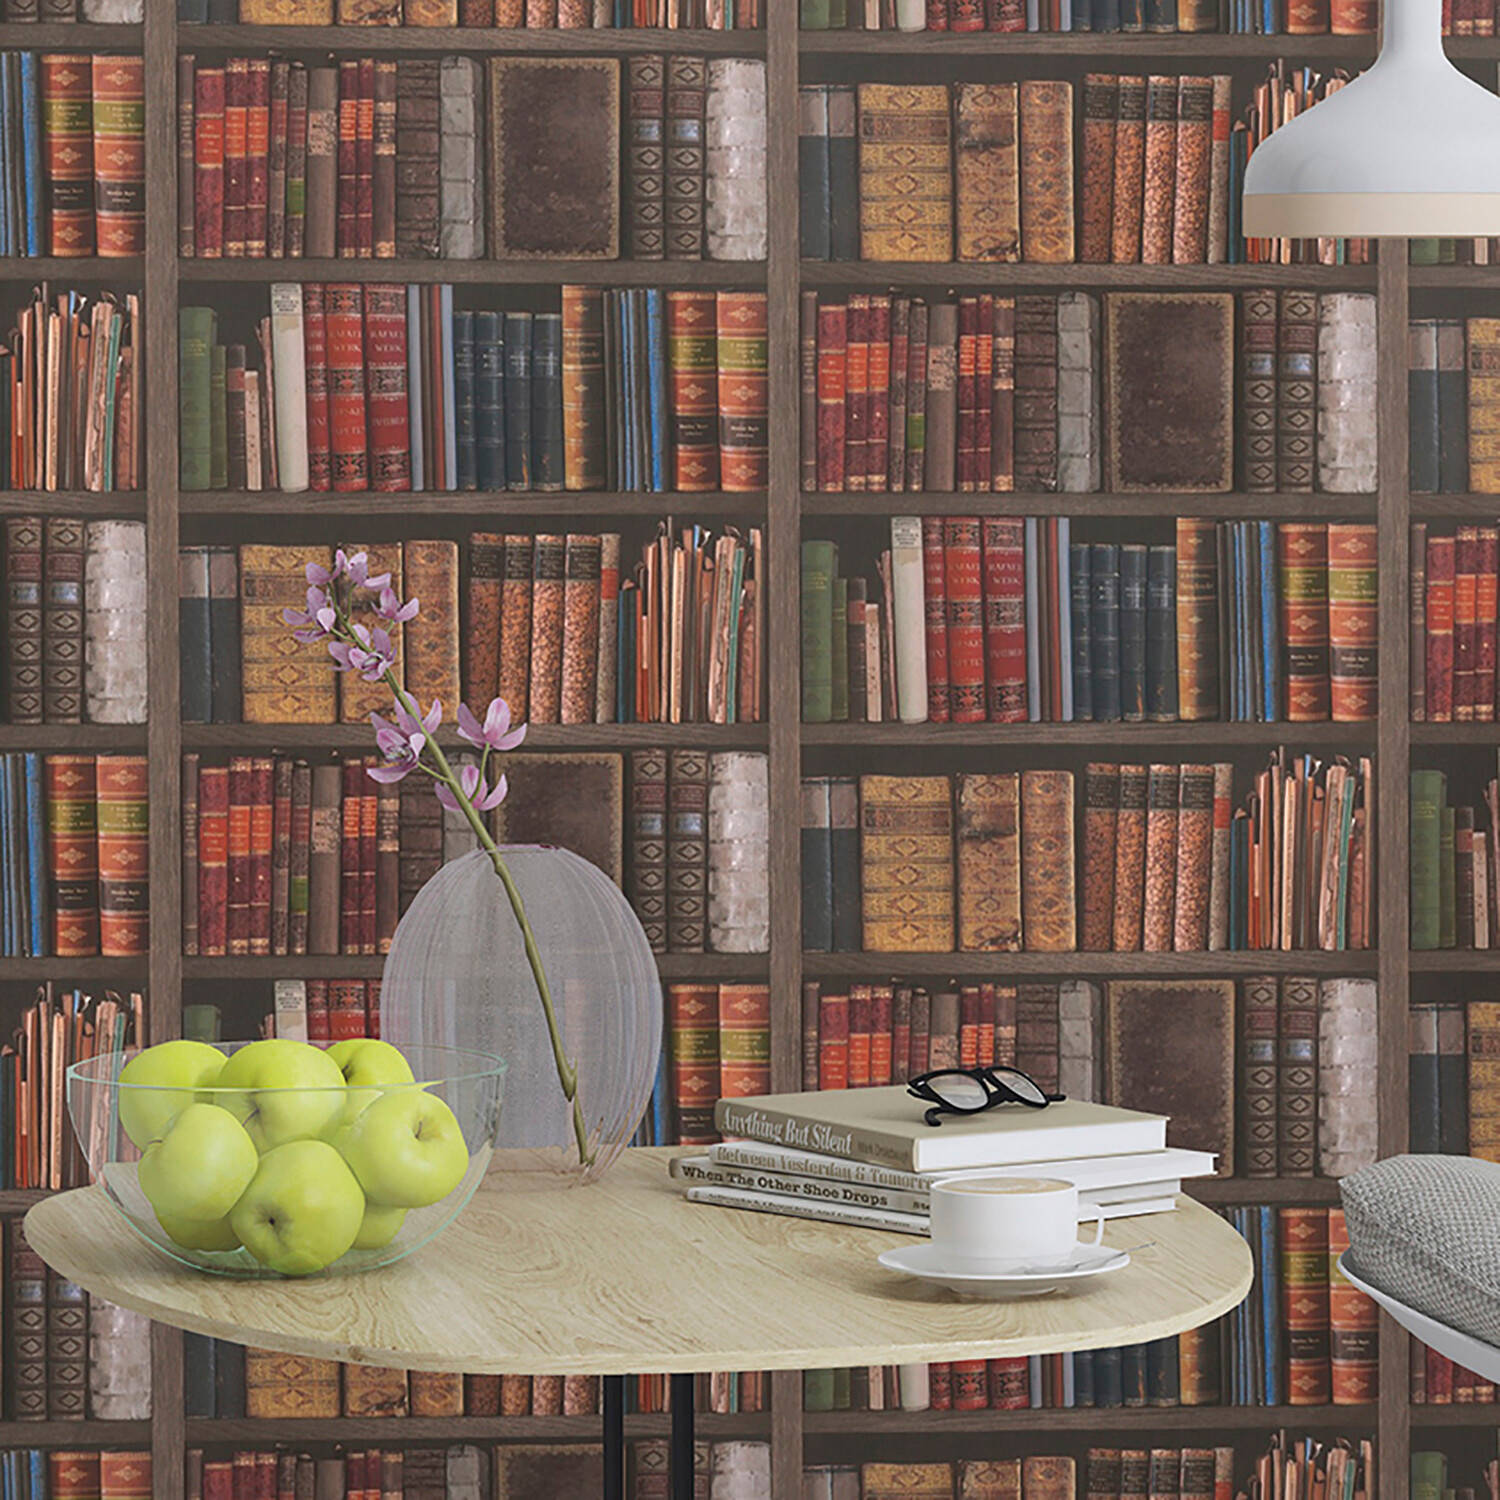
257 154
68 150
1004 546
859 1036
348 165
124 856
833 1041
971 1384
1440 570
345 342
882 1034
364 160
236 164
119 154
241 792
857 392
984 359
208 159
372 1008
968 1026
315 364
385 381
1006 15
966 398
940 1386
346 1009
369 823
966 15
262 804
833 320
319 1020
349 869
878 428
987 1005
213 860
1465 558
1010 1384
937 15
937 619
964 594
1485 603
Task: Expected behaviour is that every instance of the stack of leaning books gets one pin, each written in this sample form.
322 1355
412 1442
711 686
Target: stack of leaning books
868 1158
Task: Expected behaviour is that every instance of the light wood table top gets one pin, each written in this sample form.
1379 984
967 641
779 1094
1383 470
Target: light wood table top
627 1277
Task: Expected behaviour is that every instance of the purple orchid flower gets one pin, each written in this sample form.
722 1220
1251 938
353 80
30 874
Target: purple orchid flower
480 797
402 751
389 606
495 733
370 654
357 570
316 622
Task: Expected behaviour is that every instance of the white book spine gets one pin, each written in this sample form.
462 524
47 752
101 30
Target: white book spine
802 1208
290 363
909 617
913 1384
911 15
291 1009
699 1170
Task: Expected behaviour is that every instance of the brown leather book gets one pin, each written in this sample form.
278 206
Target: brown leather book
1034 418
1257 358
1258 1066
290 1385
580 637
430 12
435 1394
687 851
286 13
1195 832
1048 1478
1130 860
905 174
1197 619
1046 114
942 398
482 1395
1101 809
1296 391
986 172
583 388
384 201
1160 180
1048 905
1297 1077
387 865
554 162
431 575
989 1479
932 1481
683 180
515 624
283 681
906 863
417 222
1161 858
1169 1049
574 800
482 637
989 862
1101 107
325 863
1195 126
358 699
375 1391
369 12
1130 169
645 155
548 577
1169 391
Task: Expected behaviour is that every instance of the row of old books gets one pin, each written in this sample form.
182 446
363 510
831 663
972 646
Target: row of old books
38 1148
716 1045
710 15
75 1474
99 12
390 388
1454 865
1453 623
1041 391
416 158
1431 1478
68 1356
1435 1380
1258 17
982 171
73 856
1453 1101
70 393
75 620
1454 399
1010 620
323 1010
985 862
74 152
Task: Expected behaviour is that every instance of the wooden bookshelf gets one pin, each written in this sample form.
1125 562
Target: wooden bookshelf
786 514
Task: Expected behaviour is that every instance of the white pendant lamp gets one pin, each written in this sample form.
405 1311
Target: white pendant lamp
1410 147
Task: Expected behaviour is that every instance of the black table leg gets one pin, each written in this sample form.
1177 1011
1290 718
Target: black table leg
682 1437
612 1400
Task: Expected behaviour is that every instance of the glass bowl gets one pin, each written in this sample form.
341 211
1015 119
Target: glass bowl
322 1158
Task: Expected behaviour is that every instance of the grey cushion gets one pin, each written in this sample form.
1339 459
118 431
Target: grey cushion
1426 1229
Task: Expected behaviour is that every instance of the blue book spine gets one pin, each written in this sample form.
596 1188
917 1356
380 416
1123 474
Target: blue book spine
1083 1377
8 825
489 402
518 400
1133 633
1270 622
1234 588
1081 643
195 649
1104 609
630 478
36 867
656 347
547 458
416 423
659 1096
445 364
38 1473
8 215
466 467
1108 1386
1270 1304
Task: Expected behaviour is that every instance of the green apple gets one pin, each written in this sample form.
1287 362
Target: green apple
288 1091
200 1234
159 1083
379 1226
302 1209
368 1065
200 1166
406 1149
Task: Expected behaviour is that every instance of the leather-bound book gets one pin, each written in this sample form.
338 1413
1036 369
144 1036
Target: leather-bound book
887 1481
832 393
321 235
1218 171
124 1474
1133 589
515 623
481 655
1046 130
257 94
460 166
935 619
963 595
369 12
421 840
905 182
1302 548
1004 618
1048 905
236 153
692 1044
1101 807
385 376
23 619
358 699
430 12
856 391
416 179
1038 1032
573 800
26 1327
1297 1077
1219 852
741 354
580 631
290 1385
1195 823
986 171
299 858
73 1473
941 402
583 387
692 361
1162 793
1048 1478
119 115
1259 1096
283 681
1101 105
1296 390
1130 860
1169 391
1197 619
1453 405
682 207
687 851
554 136
62 620
431 639
1304 1304
547 596
1347 443
525 1469
1354 678
1257 360
739 889
1036 393
72 854
344 325
813 172
124 855
374 1391
1170 1050
645 156
982 1479
286 12
1353 1325
989 862
918 333
1439 652
1160 173
906 853
213 861
348 1014
67 151
67 1349
1195 109
878 378
387 865
1078 413
325 863
1128 205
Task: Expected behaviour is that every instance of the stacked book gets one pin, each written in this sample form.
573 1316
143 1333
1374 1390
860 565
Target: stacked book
1244 17
539 15
868 1158
1454 885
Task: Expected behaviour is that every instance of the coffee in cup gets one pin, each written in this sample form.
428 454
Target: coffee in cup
1007 1220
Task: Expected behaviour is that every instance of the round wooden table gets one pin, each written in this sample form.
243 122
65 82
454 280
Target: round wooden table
626 1277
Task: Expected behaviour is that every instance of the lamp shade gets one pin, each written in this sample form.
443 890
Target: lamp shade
1410 147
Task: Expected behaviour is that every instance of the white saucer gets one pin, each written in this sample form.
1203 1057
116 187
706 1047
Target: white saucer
1462 1348
971 1278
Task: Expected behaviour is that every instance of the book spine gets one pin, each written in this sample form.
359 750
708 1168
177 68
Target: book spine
934 593
1197 620
741 359
964 607
1046 116
1101 98
119 121
62 620
67 150
72 854
1352 626
1047 893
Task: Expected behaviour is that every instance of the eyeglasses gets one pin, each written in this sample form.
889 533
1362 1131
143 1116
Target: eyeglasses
969 1091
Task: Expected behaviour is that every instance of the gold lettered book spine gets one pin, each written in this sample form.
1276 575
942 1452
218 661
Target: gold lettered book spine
436 1393
986 172
906 863
989 863
1046 109
290 1385
991 1479
905 172
286 12
906 1481
1049 921
375 1391
431 12
1484 405
431 576
284 681
369 12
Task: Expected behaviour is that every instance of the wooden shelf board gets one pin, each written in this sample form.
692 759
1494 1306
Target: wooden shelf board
1454 961
73 737
674 273
882 966
70 268
671 966
472 40
1468 1414
1117 46
956 736
1459 278
873 1425
130 971
74 1434
1455 734
1237 506
1467 507
1290 1190
1005 275
389 1431
74 36
131 503
468 504
18 1200
359 737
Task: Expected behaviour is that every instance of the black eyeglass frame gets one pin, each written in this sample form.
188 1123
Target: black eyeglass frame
996 1090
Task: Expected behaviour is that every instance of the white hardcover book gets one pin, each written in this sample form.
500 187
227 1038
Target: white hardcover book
1347 1070
911 15
1347 379
803 1208
739 872
734 187
291 1009
1078 401
119 1363
1080 1048
913 1386
466 1472
909 617
254 445
874 709
461 228
114 602
740 1470
289 357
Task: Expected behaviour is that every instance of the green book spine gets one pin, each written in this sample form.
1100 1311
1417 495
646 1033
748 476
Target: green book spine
1428 793
839 651
819 560
195 336
1429 1476
841 1392
1447 903
815 15
1424 252
218 419
838 14
817 1390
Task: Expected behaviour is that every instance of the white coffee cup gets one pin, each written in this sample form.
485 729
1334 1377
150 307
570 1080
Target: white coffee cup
1008 1220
